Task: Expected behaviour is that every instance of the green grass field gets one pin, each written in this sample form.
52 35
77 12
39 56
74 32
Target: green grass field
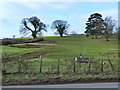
67 48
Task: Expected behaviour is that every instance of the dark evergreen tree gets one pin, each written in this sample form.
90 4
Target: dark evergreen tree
94 25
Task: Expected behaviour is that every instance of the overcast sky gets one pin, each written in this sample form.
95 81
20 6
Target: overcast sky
76 13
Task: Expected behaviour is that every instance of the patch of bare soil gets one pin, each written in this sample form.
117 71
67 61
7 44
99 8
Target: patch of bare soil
35 45
59 80
113 49
27 56
48 44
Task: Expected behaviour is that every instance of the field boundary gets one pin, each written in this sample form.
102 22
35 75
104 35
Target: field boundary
60 80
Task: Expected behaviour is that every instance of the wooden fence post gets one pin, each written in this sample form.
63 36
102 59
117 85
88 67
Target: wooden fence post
58 67
95 67
40 63
3 68
89 65
19 64
74 68
111 64
101 63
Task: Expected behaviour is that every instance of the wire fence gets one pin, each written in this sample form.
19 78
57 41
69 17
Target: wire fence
61 65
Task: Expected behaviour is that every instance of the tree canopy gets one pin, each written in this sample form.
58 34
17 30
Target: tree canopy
98 26
94 25
108 26
32 25
61 27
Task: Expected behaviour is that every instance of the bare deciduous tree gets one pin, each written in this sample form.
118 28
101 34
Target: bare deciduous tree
61 27
32 25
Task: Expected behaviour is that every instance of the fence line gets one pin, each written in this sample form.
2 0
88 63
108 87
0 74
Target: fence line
23 66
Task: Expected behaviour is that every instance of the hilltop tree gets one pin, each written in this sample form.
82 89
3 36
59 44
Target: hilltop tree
94 25
108 27
32 25
61 27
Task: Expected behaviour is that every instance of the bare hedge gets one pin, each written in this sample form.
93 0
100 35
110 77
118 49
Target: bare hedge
19 41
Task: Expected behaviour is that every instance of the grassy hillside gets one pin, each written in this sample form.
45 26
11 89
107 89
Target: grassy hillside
74 45
67 48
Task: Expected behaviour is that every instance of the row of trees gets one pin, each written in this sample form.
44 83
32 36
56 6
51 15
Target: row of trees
35 26
97 26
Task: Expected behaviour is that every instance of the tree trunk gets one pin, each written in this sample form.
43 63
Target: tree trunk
95 36
61 35
107 39
34 34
